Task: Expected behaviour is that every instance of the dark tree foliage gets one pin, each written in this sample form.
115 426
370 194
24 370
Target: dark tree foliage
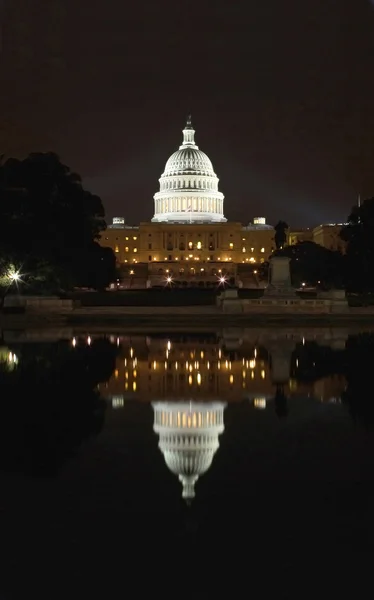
312 362
50 225
314 265
50 404
280 236
358 234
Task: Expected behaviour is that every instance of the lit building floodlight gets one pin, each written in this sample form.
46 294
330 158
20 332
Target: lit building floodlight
169 279
222 280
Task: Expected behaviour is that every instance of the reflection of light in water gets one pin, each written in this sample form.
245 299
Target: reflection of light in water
188 438
259 403
118 402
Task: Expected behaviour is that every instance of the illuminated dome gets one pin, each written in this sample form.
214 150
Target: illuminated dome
189 186
188 438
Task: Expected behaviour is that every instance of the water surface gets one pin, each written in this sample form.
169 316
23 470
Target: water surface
118 441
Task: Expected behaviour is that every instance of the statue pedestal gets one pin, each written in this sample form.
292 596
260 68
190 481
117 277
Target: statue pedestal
279 278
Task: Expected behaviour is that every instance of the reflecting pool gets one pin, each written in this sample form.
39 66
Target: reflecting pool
118 440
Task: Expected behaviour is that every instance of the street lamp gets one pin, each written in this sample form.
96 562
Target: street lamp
14 276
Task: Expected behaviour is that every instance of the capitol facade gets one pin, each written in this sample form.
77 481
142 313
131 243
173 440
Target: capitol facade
189 186
188 242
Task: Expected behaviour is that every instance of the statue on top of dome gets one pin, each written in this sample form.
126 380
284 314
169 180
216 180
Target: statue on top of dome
189 122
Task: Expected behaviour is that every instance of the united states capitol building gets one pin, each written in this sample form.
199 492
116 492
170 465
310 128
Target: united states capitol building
188 241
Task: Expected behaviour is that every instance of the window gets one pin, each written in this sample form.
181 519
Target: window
149 246
135 249
135 237
231 245
170 257
125 238
198 246
211 246
243 249
262 249
149 257
211 257
116 249
126 249
190 245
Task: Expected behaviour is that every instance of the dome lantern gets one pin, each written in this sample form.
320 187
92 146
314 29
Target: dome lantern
188 135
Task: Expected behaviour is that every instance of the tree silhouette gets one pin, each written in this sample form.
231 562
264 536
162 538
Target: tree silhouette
358 233
314 264
50 224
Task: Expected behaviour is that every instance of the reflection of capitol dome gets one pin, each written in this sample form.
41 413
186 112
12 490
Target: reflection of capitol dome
189 186
188 438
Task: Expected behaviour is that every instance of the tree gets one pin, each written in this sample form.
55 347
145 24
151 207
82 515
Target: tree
49 223
314 264
280 236
358 233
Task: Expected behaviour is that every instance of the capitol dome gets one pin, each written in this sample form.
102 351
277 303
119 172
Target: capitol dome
189 186
188 438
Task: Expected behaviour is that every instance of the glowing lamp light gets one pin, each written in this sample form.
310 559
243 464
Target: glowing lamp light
169 279
222 280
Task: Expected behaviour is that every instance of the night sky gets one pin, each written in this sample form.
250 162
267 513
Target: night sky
281 94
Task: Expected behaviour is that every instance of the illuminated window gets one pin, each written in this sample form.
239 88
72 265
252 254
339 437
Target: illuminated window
231 245
262 250
127 238
252 260
190 245
243 249
116 249
252 249
135 249
126 249
198 246
134 238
